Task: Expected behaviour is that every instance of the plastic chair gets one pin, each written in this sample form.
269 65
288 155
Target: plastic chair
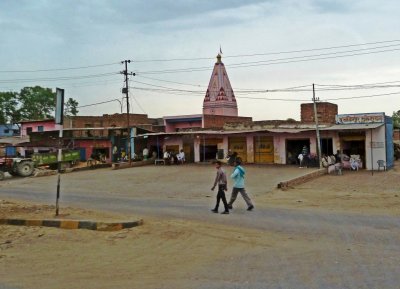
381 163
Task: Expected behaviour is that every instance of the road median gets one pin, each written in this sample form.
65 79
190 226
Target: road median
72 224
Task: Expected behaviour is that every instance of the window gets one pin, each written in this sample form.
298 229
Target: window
40 128
6 131
28 130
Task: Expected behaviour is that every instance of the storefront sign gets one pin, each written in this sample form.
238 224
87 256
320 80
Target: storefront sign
360 118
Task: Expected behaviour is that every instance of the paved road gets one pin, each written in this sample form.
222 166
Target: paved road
342 250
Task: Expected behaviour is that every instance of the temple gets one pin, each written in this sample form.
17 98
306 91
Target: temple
219 98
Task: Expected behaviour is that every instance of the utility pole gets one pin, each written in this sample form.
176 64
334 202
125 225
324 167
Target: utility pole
317 127
126 91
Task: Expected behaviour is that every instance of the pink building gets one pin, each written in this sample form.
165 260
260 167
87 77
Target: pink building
29 126
175 123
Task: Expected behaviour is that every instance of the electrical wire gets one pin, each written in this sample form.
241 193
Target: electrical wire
363 96
267 53
168 81
263 63
58 69
57 78
98 103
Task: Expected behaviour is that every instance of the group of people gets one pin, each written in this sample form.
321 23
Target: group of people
331 160
238 177
173 158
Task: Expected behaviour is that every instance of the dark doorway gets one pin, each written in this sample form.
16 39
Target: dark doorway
208 152
326 146
293 148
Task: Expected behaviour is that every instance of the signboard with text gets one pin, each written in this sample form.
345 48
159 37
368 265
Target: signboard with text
360 118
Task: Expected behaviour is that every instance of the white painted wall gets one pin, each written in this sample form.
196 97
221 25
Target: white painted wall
378 153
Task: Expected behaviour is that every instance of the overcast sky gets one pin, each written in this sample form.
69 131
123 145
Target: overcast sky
46 35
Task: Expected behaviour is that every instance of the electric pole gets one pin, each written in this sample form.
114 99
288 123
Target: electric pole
126 91
317 127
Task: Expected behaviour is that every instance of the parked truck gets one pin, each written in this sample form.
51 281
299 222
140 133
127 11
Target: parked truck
24 167
69 158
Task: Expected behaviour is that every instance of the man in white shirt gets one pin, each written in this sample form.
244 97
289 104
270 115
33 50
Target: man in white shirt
145 153
181 157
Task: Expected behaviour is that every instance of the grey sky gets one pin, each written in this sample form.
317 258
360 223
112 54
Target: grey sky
61 34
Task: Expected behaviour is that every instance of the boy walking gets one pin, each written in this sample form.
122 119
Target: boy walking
220 180
238 186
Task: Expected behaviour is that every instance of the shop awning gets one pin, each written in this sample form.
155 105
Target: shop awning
14 141
354 126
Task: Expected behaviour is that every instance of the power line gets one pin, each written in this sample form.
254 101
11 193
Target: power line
314 59
58 69
57 78
317 55
138 104
364 96
168 81
308 50
98 103
267 62
267 53
206 58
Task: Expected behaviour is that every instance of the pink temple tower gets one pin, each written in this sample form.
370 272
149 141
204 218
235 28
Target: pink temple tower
220 99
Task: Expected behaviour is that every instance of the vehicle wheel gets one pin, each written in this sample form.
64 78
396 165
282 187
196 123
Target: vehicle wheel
1 176
25 169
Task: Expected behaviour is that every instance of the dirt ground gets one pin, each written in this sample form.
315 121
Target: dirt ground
355 192
180 253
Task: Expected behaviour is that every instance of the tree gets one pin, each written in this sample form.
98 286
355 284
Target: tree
8 107
31 103
70 107
37 103
396 119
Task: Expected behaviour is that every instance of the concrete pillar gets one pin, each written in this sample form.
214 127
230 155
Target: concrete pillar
250 148
197 149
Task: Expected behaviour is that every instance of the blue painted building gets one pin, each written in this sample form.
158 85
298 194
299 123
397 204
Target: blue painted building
7 130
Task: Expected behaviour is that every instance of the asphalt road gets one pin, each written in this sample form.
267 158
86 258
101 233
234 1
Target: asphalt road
341 250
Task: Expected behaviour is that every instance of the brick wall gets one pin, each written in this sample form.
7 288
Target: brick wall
302 179
218 121
106 120
109 120
326 112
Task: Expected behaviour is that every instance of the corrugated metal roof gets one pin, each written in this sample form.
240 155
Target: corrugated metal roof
354 126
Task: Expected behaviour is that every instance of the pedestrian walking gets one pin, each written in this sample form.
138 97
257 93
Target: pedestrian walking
238 186
220 180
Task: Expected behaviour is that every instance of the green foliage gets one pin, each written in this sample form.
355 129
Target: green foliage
70 107
31 103
37 103
8 107
396 119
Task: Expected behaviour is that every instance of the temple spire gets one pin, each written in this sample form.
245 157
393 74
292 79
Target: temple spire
219 98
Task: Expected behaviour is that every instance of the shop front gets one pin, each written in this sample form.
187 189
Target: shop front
364 139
